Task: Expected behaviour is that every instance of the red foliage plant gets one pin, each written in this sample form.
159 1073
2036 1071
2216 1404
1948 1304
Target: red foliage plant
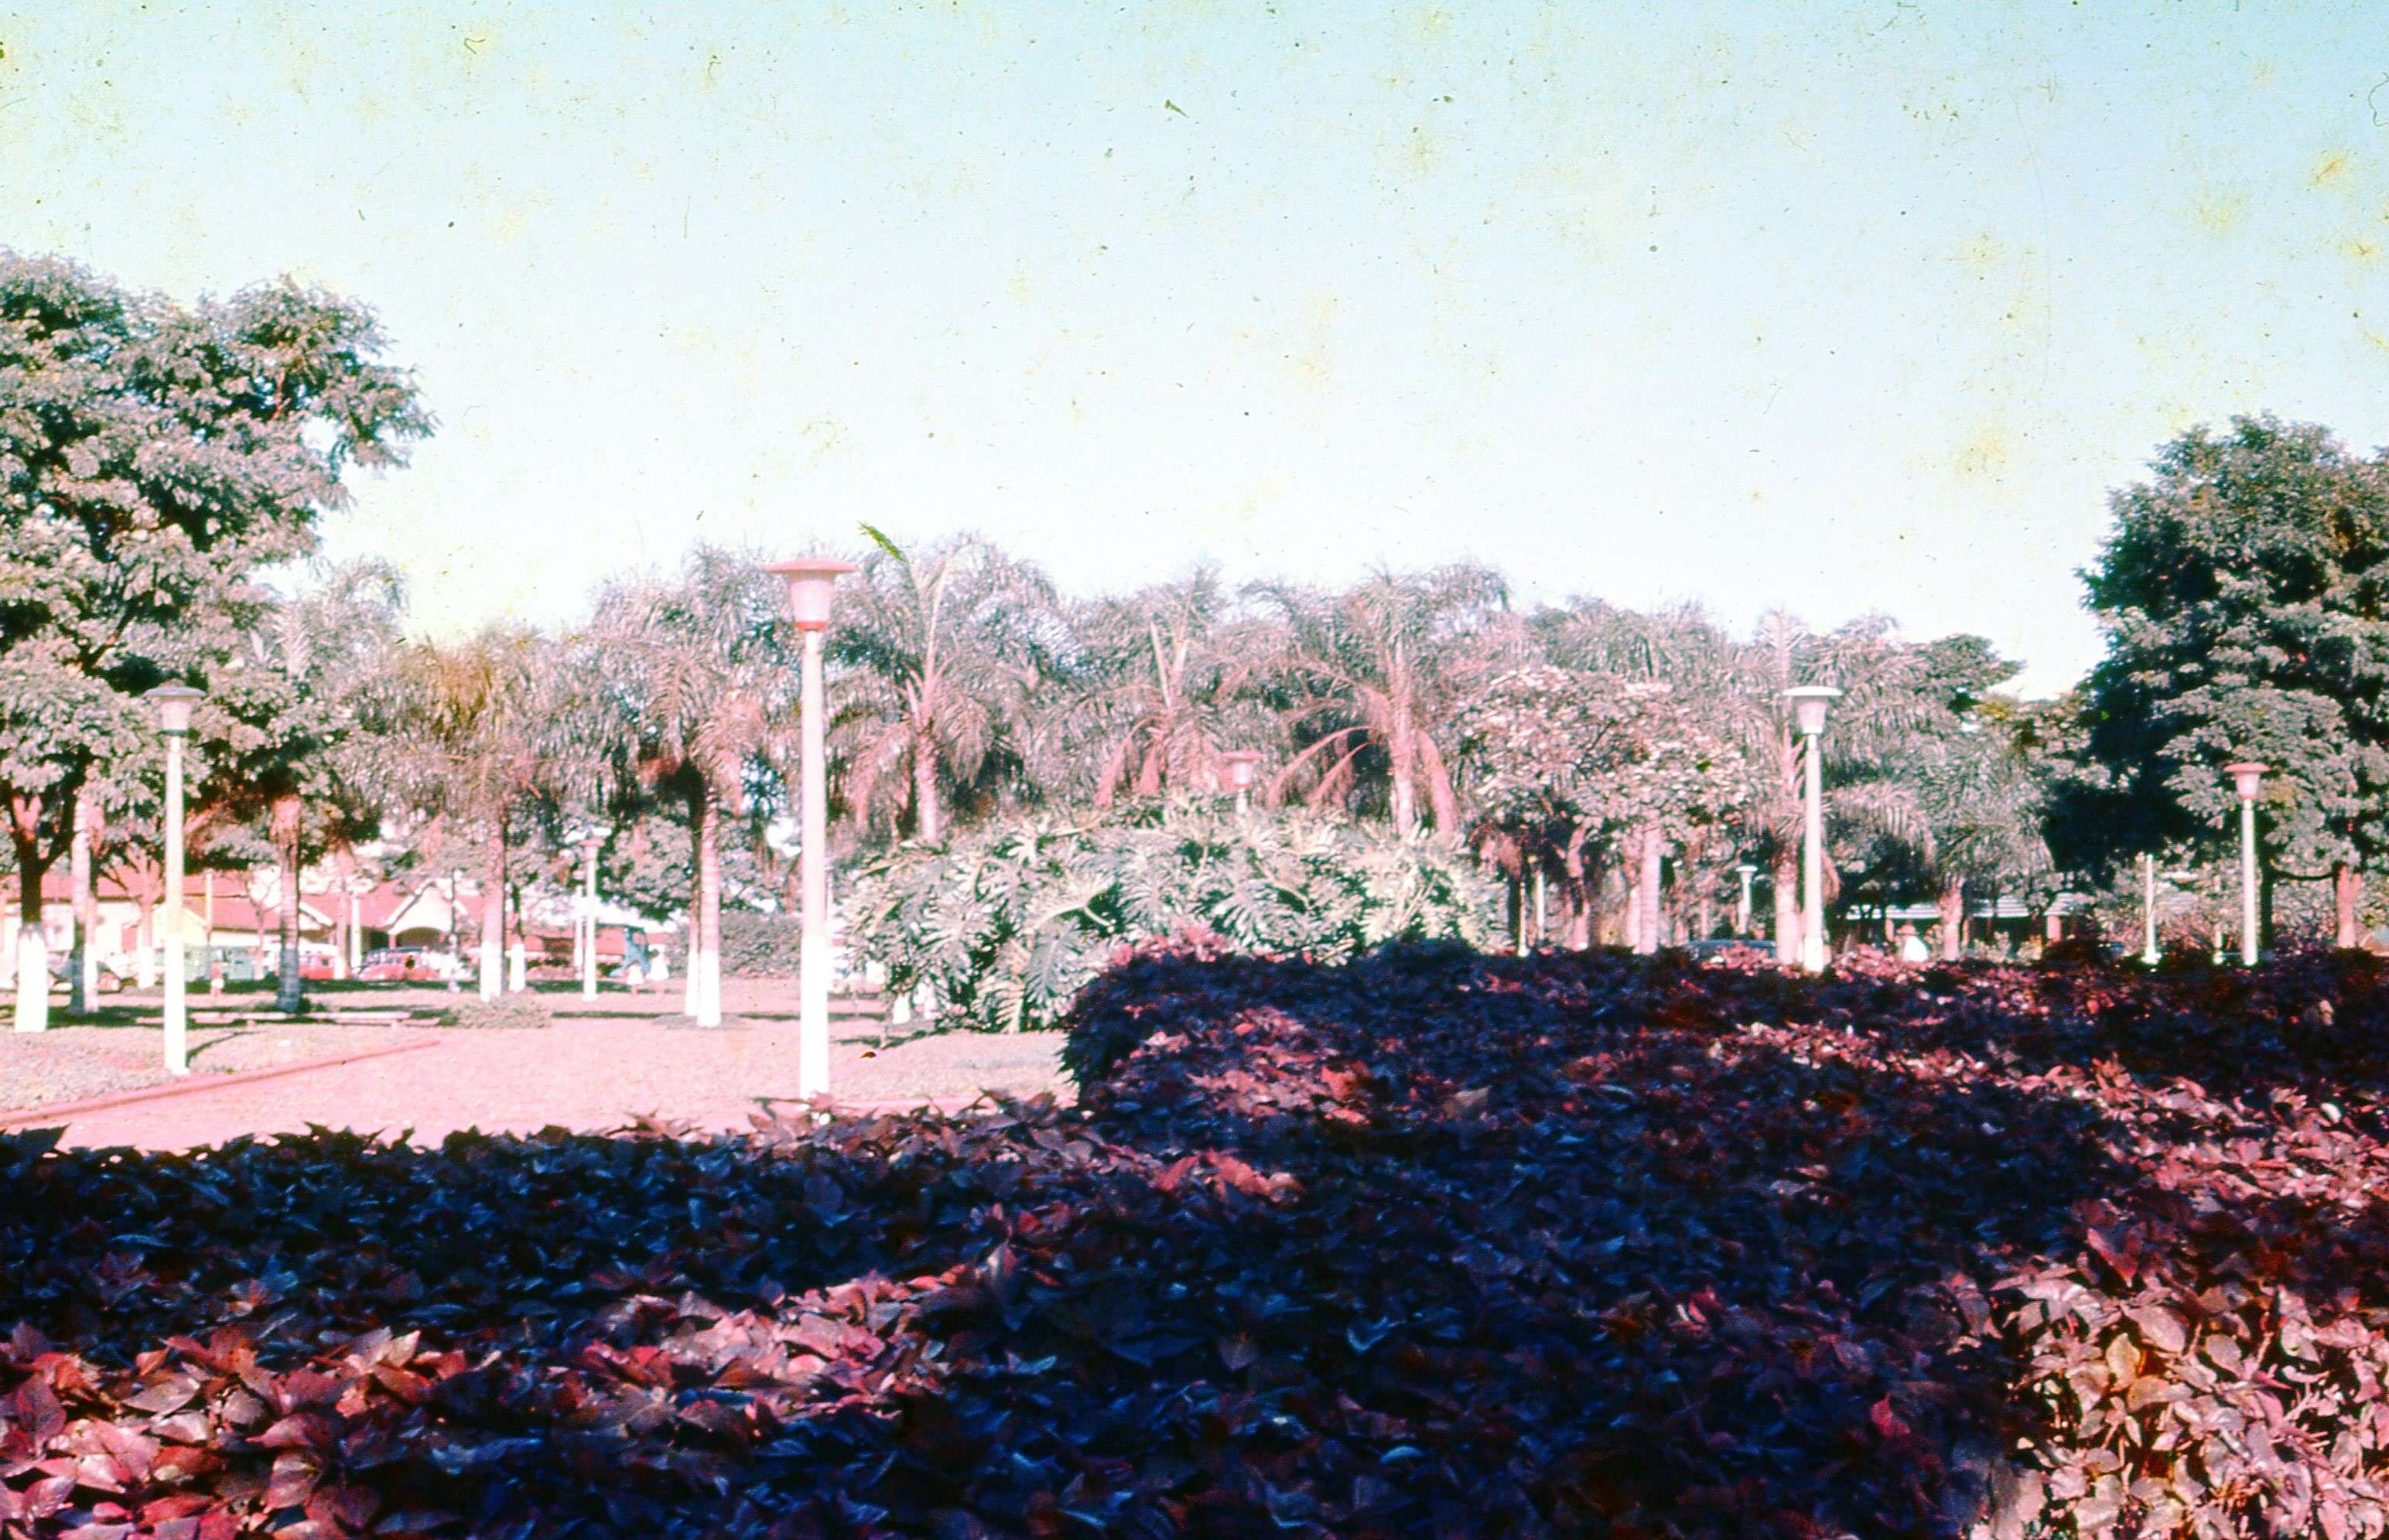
1432 1243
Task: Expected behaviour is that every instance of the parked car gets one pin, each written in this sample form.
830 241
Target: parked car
405 965
109 980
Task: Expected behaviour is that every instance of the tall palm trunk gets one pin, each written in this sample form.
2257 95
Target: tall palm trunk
2347 887
1787 908
928 822
493 912
1403 751
83 977
1579 892
33 950
691 977
1953 919
1650 853
290 988
704 996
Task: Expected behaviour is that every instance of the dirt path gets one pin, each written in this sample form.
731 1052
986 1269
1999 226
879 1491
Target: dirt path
588 1074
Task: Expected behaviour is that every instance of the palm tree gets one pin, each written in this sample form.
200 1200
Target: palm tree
484 746
1164 691
297 752
940 657
1379 669
1883 706
701 675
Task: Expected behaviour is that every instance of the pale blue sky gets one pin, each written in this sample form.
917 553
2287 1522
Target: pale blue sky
1836 308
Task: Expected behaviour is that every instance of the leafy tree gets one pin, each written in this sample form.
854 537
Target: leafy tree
2243 589
1378 671
940 657
153 457
1559 760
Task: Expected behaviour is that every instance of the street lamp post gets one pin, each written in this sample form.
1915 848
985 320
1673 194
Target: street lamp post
1742 910
174 703
589 922
1808 703
2248 778
809 579
1242 764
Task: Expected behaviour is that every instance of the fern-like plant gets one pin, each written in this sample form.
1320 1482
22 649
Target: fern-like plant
1005 925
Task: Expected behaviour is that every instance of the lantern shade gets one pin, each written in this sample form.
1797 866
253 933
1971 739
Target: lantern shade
1241 764
809 579
2248 775
1808 703
174 703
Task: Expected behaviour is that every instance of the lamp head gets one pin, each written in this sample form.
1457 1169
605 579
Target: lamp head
1808 703
1241 764
2248 775
174 703
809 579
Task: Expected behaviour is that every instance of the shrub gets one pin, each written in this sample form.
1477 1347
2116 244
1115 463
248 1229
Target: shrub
1006 923
759 945
506 1013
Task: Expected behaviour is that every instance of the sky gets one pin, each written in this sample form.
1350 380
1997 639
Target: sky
1833 309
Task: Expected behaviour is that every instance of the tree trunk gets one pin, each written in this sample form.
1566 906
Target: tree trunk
1788 910
1953 919
692 981
33 950
708 880
2347 887
289 986
1441 799
343 912
82 979
1577 893
1647 891
704 913
493 912
928 822
1630 918
1400 748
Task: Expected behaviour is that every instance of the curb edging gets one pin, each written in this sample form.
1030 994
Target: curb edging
59 1112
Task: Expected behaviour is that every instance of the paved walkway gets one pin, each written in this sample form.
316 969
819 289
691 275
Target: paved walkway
586 1075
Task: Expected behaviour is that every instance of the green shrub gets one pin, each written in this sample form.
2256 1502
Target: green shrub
1005 925
507 1013
759 946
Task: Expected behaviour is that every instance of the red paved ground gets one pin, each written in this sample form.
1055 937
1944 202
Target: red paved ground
589 1074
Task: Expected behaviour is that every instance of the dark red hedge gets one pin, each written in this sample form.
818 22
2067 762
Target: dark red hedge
1431 1245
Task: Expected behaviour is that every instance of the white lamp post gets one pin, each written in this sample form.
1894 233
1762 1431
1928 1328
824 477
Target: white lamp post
1241 764
809 579
2248 777
174 703
1808 703
1742 910
588 921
